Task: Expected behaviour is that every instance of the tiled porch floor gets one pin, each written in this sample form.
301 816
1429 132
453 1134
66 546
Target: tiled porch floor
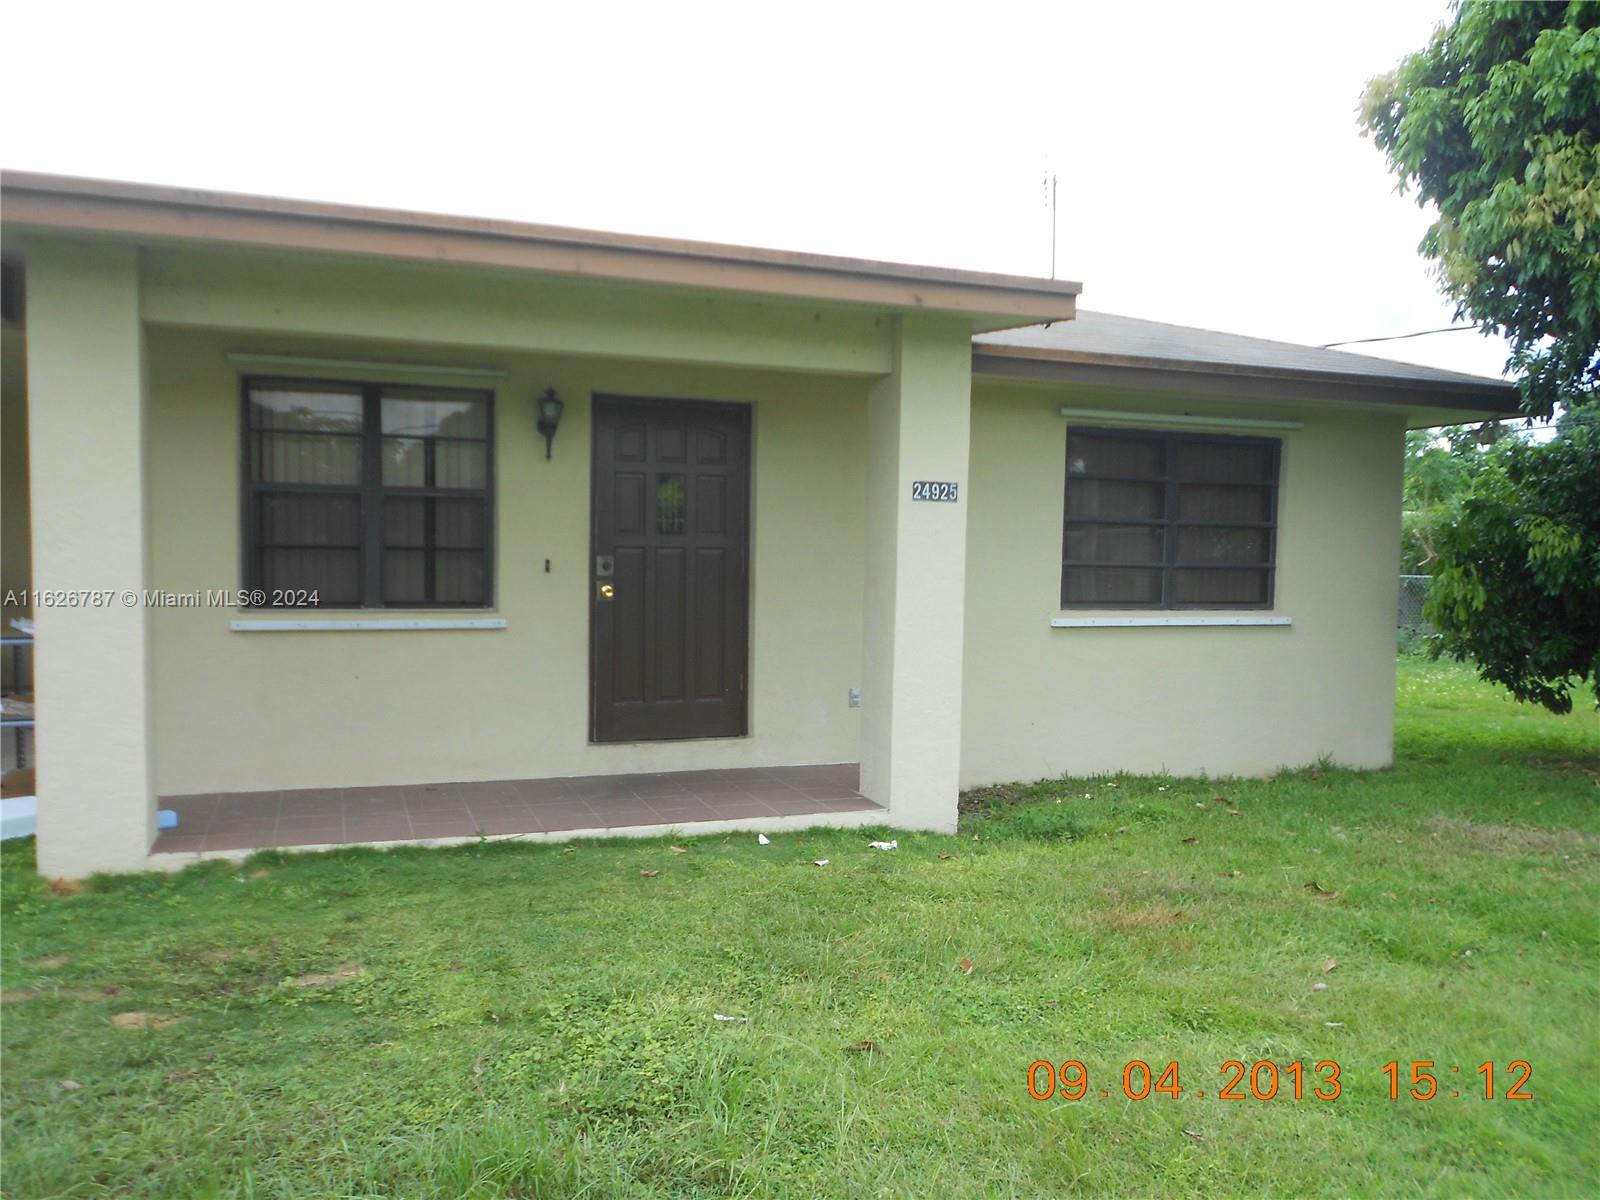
320 816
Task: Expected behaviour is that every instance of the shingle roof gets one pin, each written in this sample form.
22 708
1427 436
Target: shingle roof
1106 339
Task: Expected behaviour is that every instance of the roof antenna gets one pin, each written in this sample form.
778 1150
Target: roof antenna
1050 203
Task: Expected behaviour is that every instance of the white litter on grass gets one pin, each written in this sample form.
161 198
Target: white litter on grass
1334 1024
763 840
884 845
725 1017
819 862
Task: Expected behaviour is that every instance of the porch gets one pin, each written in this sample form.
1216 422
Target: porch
755 797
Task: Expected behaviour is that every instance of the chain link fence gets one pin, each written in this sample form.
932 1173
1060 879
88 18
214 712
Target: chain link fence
1413 595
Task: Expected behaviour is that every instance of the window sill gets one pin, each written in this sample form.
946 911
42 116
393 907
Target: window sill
1154 622
363 624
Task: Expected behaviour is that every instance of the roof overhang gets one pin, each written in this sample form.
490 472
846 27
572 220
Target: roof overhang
1451 403
151 213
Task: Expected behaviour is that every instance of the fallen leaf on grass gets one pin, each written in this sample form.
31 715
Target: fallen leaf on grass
649 874
944 857
66 887
259 873
51 961
344 971
678 849
965 966
142 1020
569 850
1195 1134
1233 812
70 1085
1122 829
1318 892
1329 965
477 1077
1191 841
864 1046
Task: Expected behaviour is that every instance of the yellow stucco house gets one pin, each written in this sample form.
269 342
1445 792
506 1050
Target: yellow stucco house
340 524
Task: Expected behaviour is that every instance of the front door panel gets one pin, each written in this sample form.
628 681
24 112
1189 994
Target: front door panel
670 586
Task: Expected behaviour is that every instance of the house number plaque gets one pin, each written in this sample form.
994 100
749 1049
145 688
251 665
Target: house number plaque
932 489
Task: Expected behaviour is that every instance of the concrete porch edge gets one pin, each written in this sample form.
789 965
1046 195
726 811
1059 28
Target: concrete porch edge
170 861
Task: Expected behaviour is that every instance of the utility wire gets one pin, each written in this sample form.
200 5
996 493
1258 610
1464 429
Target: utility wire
1398 337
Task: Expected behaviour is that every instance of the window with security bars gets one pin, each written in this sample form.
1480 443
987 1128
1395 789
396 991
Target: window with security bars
368 495
1169 520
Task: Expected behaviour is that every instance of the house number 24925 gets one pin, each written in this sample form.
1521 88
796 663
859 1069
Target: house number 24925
932 489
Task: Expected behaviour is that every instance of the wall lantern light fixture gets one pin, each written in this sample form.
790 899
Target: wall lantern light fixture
550 407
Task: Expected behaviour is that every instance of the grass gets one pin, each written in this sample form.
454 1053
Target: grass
516 1020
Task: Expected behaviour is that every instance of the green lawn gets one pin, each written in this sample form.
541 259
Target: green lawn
518 1020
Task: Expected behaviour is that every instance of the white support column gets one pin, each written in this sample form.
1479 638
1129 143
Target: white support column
86 450
918 428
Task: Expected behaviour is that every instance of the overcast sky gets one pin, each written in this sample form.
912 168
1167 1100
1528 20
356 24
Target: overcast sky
1211 172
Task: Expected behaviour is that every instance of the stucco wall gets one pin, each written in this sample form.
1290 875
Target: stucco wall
1041 701
240 711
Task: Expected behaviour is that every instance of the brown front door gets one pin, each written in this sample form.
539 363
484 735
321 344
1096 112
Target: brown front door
670 588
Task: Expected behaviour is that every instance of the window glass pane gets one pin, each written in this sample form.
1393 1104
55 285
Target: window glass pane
1099 455
405 462
458 524
305 411
1114 543
1111 585
434 416
1199 502
404 521
460 464
670 513
295 519
1108 499
1219 587
306 458
460 577
1224 462
312 535
335 575
1222 545
405 576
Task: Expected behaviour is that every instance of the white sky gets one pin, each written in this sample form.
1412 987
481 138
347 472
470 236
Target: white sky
1211 172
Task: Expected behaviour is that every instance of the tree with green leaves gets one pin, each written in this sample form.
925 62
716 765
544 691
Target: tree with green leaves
1439 467
1516 577
1496 123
